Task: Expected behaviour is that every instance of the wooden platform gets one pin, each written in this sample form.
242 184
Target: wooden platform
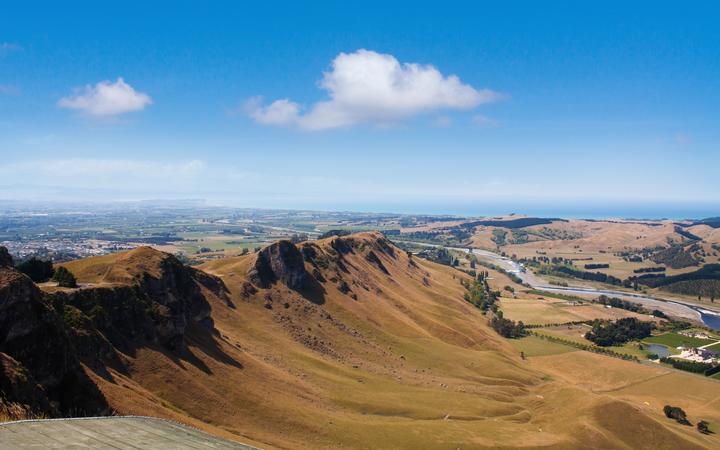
109 433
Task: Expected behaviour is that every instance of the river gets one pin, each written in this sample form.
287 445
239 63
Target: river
710 318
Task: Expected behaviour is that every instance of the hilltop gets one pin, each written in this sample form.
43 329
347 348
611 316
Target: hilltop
347 341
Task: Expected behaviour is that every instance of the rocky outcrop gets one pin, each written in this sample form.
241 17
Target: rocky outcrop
281 261
34 337
5 257
156 300
373 259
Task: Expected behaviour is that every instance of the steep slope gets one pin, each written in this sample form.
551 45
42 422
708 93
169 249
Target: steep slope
351 342
40 373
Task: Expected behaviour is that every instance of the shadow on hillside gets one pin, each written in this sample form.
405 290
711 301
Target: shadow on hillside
207 341
314 291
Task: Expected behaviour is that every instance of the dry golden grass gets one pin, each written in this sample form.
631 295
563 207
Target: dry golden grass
406 364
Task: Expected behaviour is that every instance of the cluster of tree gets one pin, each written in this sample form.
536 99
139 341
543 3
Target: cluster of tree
39 270
706 272
650 269
713 222
620 303
596 266
585 347
499 236
536 260
703 427
676 413
564 270
706 369
513 223
519 236
439 255
64 278
559 324
687 234
479 293
607 333
42 270
507 328
676 257
709 289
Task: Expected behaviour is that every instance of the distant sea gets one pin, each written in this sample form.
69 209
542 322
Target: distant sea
590 210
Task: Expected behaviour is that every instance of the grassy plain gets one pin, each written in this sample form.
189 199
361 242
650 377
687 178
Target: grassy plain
674 340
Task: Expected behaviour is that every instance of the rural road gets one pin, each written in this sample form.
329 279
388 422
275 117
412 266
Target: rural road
710 317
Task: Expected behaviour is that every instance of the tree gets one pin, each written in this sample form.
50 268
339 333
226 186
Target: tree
703 427
674 412
64 278
39 270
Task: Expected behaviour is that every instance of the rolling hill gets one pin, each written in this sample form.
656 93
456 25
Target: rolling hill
345 342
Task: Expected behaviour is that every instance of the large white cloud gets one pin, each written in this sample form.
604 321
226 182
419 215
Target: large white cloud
106 99
370 87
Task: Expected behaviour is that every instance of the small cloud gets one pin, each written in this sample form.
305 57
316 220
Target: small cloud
442 122
9 47
484 121
9 89
370 87
106 99
279 112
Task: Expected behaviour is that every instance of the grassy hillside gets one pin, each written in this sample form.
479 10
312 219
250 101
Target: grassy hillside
371 348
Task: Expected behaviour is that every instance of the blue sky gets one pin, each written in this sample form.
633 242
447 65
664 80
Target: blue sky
426 107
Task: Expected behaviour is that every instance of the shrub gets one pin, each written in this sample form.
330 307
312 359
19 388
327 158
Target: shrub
676 413
64 278
703 427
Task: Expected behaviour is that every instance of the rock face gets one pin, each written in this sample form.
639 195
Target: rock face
5 258
21 394
281 261
156 298
33 340
150 298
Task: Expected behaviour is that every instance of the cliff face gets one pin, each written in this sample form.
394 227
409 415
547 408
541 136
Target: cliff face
5 258
281 261
39 361
152 299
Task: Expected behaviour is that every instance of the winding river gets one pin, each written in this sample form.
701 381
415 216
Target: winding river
711 318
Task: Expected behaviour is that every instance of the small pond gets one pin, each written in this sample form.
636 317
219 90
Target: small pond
660 350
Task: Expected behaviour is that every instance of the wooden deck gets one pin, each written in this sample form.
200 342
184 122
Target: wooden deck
109 433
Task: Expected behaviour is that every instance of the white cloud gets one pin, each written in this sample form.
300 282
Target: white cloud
280 112
370 87
106 99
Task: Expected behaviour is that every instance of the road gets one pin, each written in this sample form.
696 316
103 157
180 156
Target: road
709 316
